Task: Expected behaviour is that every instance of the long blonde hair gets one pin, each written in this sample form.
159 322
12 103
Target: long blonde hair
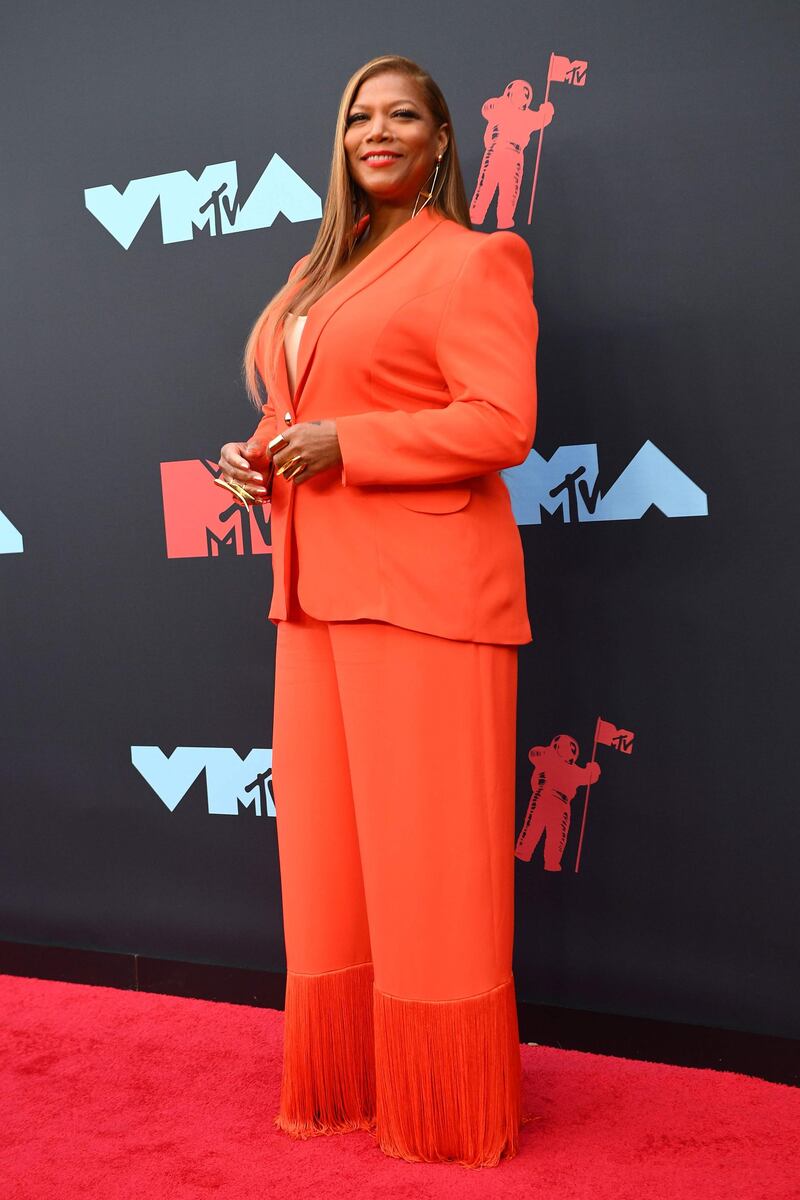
345 204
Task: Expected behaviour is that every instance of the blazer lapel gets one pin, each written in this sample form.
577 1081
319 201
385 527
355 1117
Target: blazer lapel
381 259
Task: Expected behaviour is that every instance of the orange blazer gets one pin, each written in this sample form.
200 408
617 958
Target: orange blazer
425 356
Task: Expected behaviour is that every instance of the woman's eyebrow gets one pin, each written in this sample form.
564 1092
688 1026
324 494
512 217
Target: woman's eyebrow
388 105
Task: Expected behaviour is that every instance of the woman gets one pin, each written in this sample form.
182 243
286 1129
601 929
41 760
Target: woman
399 601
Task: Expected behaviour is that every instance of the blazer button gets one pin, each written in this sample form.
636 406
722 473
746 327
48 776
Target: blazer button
287 416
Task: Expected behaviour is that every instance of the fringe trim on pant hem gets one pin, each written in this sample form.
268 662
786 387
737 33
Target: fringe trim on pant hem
328 1079
448 1078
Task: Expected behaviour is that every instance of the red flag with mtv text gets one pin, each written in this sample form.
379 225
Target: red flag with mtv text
608 735
560 69
605 734
564 70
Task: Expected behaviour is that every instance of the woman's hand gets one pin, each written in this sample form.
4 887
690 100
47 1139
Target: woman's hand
234 460
313 444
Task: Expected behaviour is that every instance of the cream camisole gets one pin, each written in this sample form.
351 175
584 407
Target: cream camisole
293 331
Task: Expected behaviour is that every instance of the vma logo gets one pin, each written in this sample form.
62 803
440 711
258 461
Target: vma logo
211 202
198 520
231 784
567 483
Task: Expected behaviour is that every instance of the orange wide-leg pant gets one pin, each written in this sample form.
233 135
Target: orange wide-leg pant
394 778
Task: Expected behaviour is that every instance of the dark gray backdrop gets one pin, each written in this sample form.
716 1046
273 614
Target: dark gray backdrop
663 242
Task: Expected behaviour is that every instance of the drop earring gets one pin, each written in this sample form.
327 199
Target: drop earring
428 195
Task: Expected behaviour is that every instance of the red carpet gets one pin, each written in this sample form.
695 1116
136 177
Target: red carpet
116 1095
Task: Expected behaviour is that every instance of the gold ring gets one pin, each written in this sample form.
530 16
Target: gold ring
236 489
290 462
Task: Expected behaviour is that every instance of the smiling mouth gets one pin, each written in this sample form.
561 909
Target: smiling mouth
382 156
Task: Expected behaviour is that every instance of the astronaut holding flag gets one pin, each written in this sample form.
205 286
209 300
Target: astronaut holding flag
510 122
555 780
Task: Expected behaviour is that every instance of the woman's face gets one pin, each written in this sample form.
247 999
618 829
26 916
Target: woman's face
388 118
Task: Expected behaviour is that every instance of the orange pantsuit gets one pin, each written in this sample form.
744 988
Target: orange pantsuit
399 601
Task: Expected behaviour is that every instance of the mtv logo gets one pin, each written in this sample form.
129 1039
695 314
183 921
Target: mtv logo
204 521
231 783
565 70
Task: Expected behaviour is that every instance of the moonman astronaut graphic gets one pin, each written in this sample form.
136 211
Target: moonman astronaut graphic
510 125
556 778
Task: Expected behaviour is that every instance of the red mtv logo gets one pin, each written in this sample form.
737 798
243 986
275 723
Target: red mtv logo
198 520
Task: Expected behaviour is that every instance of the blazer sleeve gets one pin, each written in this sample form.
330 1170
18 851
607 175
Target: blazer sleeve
266 429
486 350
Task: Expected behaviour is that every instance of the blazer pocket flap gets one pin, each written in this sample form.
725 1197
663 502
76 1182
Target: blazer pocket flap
440 498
